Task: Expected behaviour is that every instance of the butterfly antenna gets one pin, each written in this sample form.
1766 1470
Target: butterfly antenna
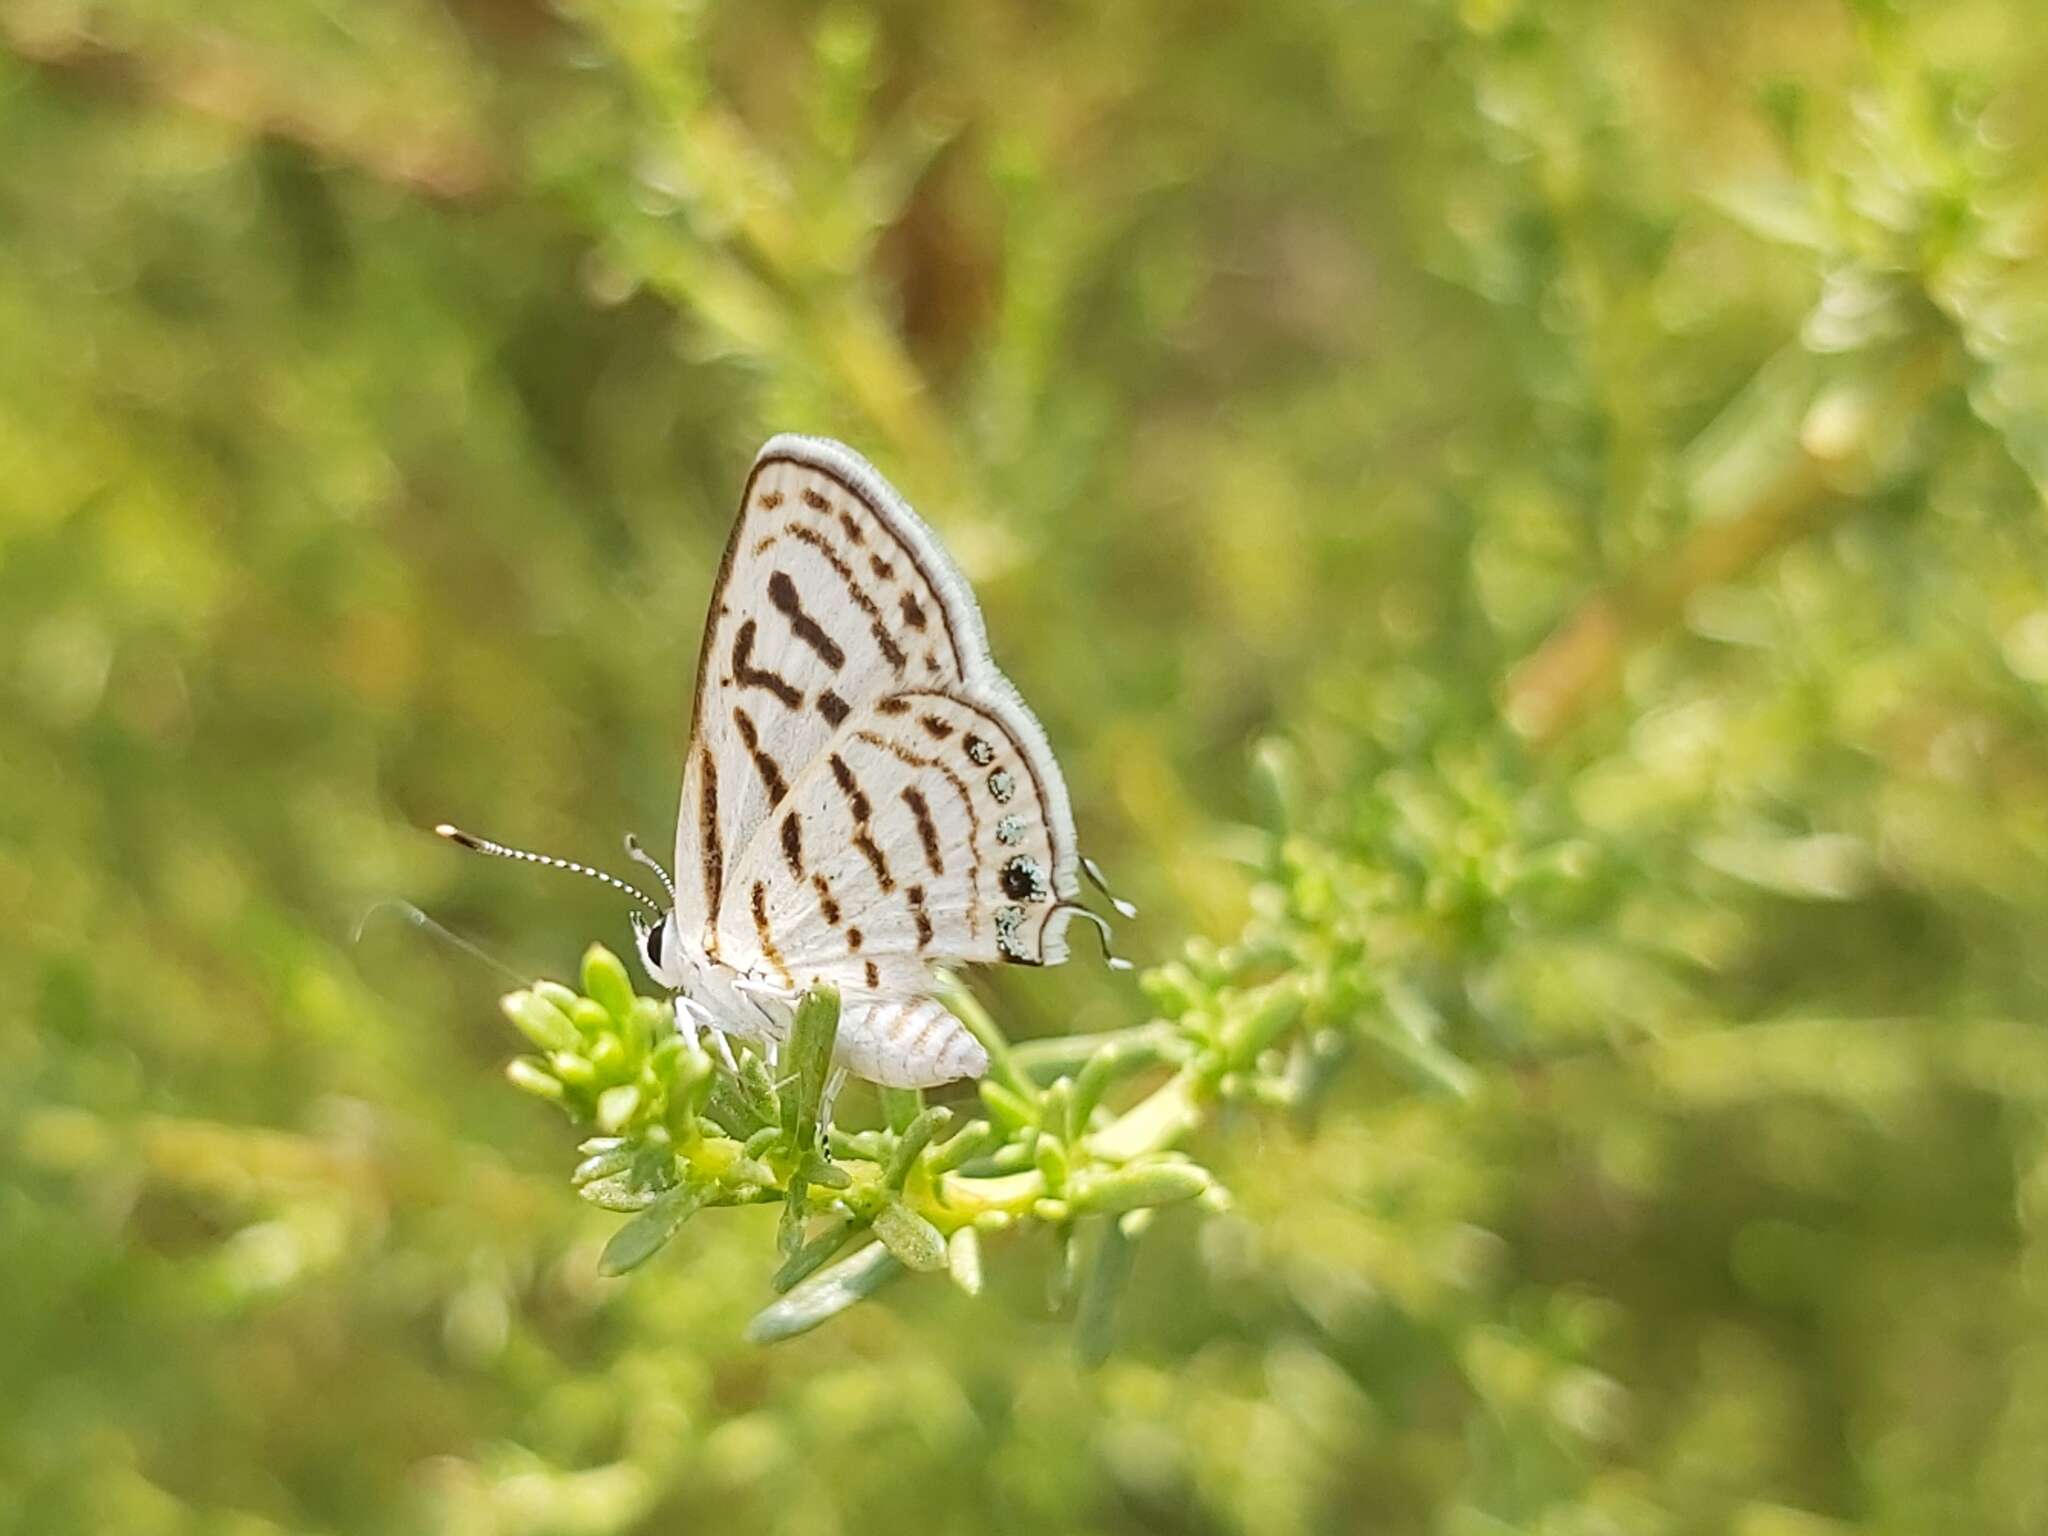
418 919
477 844
1110 957
640 855
1093 871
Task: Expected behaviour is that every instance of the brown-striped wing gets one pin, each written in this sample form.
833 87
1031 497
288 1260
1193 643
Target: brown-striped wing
833 599
927 830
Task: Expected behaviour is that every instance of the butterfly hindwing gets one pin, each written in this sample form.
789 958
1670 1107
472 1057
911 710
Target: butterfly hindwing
932 827
891 1029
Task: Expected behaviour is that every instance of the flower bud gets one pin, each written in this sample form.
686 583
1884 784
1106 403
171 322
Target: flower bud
540 1021
606 981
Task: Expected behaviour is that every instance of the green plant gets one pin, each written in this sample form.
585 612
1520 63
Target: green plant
1605 442
678 1134
1346 947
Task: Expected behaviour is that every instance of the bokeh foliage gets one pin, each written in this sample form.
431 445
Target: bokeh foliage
1524 520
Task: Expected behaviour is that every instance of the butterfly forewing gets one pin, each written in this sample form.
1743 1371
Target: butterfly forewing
824 602
834 812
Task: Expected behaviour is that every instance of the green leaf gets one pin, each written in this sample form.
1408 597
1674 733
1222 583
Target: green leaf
606 980
589 1017
541 1021
1063 1274
689 1087
619 1192
809 1062
529 1075
1009 1109
747 1170
617 1106
1050 1155
1313 1066
554 992
728 1102
647 1023
602 1164
1174 988
1105 1276
1054 1107
1013 1157
1142 1184
915 1138
813 1252
1131 1050
758 1090
1168 1113
827 1175
866 1146
914 1241
900 1106
796 1206
963 1260
575 1071
607 1056
1250 1032
824 1297
1096 1074
966 1144
643 1237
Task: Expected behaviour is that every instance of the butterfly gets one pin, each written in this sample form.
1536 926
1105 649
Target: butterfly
866 798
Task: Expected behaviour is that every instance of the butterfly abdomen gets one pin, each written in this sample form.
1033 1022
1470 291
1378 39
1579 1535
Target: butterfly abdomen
915 1043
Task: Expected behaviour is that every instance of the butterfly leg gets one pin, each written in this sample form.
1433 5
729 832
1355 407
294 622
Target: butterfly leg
687 1012
834 1081
686 1025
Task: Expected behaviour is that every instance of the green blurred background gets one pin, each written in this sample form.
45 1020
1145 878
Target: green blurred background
1538 506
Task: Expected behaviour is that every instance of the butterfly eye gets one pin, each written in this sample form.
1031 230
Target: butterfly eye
650 940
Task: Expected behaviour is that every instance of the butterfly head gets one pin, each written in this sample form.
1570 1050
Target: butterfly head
659 950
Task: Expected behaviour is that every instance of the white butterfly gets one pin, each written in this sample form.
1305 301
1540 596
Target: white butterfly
866 796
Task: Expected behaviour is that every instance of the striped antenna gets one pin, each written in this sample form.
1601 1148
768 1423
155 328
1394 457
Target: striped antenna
640 855
477 844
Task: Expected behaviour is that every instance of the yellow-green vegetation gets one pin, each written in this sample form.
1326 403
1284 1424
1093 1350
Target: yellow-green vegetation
679 1135
1524 522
